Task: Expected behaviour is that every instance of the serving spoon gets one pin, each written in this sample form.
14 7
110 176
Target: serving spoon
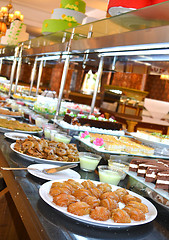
46 171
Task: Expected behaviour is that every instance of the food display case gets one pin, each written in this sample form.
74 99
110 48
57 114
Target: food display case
136 36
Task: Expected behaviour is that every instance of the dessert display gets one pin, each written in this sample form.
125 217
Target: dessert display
7 112
111 205
17 33
116 144
16 125
154 171
89 82
47 103
45 149
92 121
69 15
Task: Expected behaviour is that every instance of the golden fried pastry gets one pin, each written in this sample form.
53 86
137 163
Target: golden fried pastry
96 192
88 184
138 205
64 199
57 184
120 216
81 193
56 191
112 195
92 201
46 149
128 197
79 208
109 203
135 213
104 187
121 192
74 184
100 214
67 185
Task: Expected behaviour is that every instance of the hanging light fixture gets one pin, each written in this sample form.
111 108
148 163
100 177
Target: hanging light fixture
8 15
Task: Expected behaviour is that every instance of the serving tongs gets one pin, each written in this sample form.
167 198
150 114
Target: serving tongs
46 171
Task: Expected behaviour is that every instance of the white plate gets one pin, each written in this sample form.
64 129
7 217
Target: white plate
17 136
65 174
150 216
39 160
150 143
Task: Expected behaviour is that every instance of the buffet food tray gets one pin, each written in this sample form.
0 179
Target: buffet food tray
100 150
150 216
161 192
149 142
68 126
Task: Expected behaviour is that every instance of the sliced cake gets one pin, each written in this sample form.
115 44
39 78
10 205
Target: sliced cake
133 166
142 168
151 173
163 180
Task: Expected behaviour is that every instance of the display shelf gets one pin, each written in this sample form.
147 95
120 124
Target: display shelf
161 192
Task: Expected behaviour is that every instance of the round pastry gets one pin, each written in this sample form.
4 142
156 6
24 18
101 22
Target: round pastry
96 192
128 197
79 208
138 205
88 184
104 187
57 184
134 213
56 191
81 193
100 214
109 203
112 195
63 199
120 216
92 201
121 192
74 184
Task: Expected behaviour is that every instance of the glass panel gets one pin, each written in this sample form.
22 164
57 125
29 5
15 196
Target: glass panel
148 17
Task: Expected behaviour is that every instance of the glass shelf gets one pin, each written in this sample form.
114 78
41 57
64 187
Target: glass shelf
148 17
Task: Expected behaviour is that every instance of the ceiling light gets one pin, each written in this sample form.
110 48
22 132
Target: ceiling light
8 15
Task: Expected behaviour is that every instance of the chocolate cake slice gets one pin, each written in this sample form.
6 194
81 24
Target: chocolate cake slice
141 172
133 166
163 180
110 125
164 162
151 173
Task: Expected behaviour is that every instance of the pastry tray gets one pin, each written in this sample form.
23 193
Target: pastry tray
93 147
161 192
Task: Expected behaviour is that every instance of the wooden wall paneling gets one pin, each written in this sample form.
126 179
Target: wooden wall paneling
11 226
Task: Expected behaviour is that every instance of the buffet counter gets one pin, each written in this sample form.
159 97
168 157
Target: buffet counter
43 222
